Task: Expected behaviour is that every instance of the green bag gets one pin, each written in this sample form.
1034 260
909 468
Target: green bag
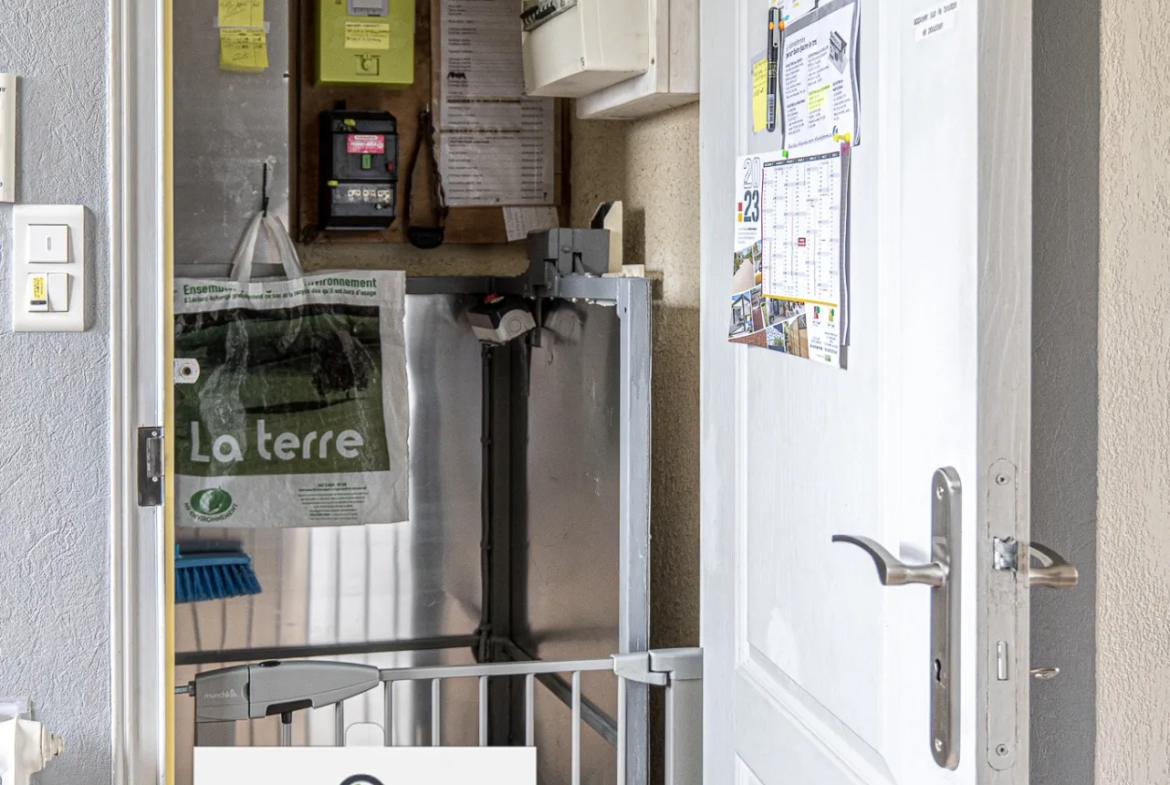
291 400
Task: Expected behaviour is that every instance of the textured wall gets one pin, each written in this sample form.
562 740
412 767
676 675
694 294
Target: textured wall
1133 542
54 422
653 166
1064 381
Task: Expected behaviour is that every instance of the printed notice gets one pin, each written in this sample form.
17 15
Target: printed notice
367 35
497 146
818 79
790 290
935 20
520 221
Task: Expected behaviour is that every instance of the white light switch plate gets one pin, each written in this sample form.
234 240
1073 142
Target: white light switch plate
24 316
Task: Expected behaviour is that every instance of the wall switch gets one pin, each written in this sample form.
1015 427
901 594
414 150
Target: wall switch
48 261
7 138
48 243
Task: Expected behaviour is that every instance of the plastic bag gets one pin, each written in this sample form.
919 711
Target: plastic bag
292 408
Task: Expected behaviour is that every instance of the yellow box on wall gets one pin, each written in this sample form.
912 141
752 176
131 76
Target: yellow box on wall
365 42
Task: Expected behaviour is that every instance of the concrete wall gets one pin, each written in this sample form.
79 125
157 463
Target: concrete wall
1133 542
1066 94
653 166
54 401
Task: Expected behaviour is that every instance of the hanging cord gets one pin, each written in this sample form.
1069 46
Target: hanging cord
264 191
427 237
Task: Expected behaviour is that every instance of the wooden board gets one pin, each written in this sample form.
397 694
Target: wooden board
475 225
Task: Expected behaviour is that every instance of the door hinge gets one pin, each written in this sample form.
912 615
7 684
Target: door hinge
150 466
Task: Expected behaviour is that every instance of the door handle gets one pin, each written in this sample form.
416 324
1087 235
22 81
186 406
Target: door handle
944 575
1053 571
892 571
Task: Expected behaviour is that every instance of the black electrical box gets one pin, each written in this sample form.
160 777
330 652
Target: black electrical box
359 170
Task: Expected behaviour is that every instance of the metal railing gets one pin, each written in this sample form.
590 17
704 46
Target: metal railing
677 672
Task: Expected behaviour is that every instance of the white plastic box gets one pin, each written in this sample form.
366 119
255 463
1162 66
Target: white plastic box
587 46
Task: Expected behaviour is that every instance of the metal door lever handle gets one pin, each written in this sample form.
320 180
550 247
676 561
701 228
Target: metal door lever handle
1053 572
894 572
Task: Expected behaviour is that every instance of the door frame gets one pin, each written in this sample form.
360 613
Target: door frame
1004 446
141 684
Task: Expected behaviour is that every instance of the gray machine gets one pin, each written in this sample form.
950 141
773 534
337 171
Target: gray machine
252 692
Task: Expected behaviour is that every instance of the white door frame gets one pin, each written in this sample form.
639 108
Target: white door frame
1005 295
138 294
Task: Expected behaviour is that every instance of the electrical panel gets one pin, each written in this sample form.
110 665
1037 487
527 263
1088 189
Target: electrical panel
365 42
359 170
576 47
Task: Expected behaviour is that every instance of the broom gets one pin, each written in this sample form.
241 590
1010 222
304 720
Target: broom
213 571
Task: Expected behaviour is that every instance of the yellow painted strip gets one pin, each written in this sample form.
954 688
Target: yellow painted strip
168 235
797 300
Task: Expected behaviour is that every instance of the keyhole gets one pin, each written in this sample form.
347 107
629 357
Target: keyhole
938 671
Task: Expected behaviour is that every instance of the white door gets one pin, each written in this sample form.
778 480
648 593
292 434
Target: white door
816 673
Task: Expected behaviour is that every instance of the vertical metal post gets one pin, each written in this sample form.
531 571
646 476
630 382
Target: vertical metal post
285 732
621 731
684 713
576 728
339 724
530 710
483 711
436 713
388 713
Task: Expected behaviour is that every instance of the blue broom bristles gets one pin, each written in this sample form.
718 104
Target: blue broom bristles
202 576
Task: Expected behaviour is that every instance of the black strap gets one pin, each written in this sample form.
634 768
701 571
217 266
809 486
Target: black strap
431 236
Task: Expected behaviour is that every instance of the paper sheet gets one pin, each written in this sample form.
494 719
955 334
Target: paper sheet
243 49
789 270
241 13
519 221
819 92
497 146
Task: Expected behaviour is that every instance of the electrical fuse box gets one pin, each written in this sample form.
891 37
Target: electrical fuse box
365 42
576 47
359 170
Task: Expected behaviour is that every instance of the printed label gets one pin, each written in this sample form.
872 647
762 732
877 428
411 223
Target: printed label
361 144
367 35
934 20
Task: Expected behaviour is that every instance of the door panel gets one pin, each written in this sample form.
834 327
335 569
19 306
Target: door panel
816 673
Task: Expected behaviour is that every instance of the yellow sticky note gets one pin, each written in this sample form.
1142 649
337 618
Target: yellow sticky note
241 13
243 49
38 288
760 95
367 35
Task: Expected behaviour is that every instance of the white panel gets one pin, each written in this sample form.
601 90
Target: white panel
673 75
588 47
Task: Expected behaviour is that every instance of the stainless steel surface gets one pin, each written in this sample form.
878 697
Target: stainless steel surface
1045 674
944 575
226 125
402 582
1054 572
1006 554
891 571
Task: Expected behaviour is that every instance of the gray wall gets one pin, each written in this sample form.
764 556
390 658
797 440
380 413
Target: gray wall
54 400
1064 383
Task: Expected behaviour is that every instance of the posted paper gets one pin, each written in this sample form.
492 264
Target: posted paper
790 289
497 146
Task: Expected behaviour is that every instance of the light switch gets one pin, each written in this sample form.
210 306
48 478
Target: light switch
48 268
59 292
36 296
48 243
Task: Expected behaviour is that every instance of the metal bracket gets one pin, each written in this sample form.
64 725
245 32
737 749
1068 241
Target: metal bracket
150 466
636 667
